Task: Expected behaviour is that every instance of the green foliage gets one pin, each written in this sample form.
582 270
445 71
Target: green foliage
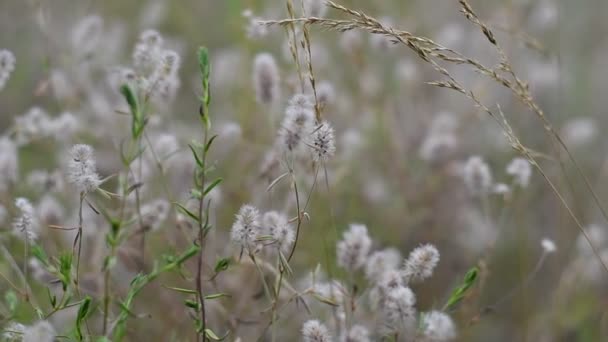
459 292
139 282
138 120
205 98
83 312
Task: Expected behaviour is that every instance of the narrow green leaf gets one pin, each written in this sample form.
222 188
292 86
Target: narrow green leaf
199 162
187 212
211 335
208 146
82 313
192 304
222 265
459 292
187 254
212 185
216 295
182 290
11 300
39 254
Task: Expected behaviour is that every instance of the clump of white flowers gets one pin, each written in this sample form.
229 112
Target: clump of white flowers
9 163
398 312
297 124
437 327
421 263
278 228
25 225
81 168
477 176
266 78
521 170
41 331
156 68
7 65
315 331
354 247
246 228
323 142
380 262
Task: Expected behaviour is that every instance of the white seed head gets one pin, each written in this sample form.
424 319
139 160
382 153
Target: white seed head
277 226
42 331
548 245
521 170
380 262
246 227
297 124
25 226
501 189
357 333
315 331
7 65
352 250
266 78
323 142
398 312
477 176
81 168
326 93
421 263
438 327
147 54
9 163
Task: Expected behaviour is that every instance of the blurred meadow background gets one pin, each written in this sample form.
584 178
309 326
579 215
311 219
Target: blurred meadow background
415 163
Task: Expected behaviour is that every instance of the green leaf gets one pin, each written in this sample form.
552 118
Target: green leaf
198 160
65 269
222 265
205 69
187 254
138 121
217 295
109 262
52 297
11 300
182 290
459 292
212 185
192 304
187 212
82 314
208 146
211 335
39 254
